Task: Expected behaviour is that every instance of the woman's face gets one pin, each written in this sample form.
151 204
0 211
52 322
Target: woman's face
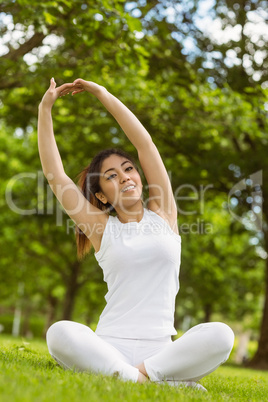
120 182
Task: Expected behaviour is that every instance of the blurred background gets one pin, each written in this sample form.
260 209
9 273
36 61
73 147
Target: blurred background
195 73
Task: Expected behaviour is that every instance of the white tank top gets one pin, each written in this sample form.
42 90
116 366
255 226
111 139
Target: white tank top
140 263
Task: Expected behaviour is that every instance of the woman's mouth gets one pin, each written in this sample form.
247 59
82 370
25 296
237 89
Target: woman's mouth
128 188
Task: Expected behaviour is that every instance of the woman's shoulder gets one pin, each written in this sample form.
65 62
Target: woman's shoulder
172 222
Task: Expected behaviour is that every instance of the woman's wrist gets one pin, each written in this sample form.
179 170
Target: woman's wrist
100 91
95 89
45 107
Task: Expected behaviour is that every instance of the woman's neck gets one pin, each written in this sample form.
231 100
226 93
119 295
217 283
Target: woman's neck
134 214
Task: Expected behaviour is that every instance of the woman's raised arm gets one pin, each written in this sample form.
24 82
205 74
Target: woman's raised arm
48 150
161 196
86 216
129 123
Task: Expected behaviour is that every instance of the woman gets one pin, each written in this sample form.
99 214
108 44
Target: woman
139 252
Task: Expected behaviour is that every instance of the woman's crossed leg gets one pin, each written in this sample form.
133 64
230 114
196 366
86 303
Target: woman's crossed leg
76 346
195 354
191 357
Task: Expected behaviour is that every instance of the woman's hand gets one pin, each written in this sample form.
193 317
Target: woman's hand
53 93
80 85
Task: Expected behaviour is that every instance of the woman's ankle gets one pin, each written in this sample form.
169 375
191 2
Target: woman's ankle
142 378
142 369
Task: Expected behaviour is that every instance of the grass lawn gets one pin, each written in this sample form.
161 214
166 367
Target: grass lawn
29 374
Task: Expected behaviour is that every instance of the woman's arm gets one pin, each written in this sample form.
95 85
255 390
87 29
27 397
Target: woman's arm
129 123
161 196
48 150
90 219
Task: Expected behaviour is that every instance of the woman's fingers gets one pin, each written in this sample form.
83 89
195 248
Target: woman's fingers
67 88
78 81
77 91
71 90
65 92
74 89
64 88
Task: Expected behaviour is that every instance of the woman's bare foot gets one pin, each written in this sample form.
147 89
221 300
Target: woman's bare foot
143 376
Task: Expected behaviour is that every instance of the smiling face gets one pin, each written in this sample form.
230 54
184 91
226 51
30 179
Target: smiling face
120 182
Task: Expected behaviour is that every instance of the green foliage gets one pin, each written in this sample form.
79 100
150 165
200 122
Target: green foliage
216 252
200 130
235 51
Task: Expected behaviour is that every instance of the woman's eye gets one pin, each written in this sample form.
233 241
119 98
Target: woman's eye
110 177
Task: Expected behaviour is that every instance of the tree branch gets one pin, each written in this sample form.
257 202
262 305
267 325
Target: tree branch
148 7
34 41
9 84
248 140
236 144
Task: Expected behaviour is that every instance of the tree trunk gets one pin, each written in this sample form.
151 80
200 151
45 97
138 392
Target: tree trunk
260 360
242 350
52 304
71 291
207 311
26 330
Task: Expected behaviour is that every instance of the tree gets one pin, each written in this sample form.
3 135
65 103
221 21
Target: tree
240 60
200 131
86 43
229 120
229 41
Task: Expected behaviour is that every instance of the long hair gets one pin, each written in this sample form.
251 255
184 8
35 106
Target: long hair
89 184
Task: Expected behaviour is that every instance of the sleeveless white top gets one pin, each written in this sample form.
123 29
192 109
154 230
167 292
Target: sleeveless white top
140 263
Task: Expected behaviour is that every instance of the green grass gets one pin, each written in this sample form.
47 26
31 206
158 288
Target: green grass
29 374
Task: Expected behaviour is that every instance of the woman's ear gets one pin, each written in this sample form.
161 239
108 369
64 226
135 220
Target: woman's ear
101 197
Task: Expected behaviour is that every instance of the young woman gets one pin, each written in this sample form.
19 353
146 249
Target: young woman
139 251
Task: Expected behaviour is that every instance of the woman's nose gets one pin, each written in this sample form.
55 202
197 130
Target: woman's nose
123 177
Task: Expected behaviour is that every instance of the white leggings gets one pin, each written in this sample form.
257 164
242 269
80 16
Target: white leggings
195 354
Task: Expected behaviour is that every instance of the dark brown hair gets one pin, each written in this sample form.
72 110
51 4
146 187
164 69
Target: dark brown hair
89 183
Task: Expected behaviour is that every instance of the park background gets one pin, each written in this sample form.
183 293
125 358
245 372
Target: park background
196 75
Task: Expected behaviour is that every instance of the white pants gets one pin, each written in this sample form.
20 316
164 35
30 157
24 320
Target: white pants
195 354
